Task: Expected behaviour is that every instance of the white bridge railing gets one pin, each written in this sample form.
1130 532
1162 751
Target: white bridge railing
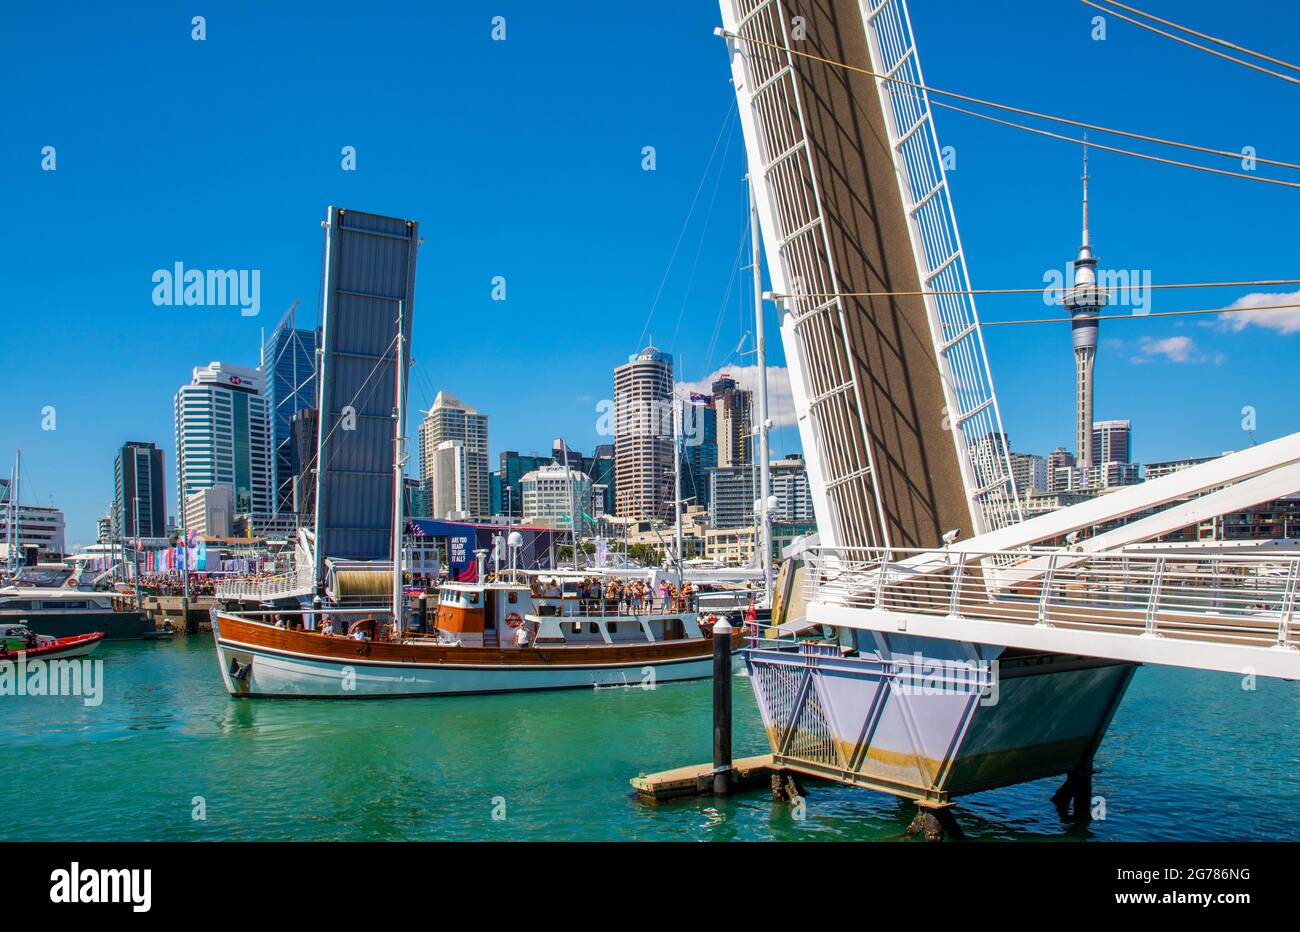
1230 599
284 585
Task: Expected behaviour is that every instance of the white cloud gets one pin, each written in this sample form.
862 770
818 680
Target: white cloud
1281 319
1174 349
780 400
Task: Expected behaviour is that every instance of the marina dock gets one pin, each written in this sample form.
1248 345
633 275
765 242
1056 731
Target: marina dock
697 779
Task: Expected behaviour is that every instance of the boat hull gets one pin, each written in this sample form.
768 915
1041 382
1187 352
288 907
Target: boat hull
901 713
67 648
258 661
115 626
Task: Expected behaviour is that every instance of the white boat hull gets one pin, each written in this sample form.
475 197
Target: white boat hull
249 671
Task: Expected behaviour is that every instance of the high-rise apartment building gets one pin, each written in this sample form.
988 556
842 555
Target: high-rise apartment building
452 421
1030 472
448 482
139 499
223 436
643 435
735 414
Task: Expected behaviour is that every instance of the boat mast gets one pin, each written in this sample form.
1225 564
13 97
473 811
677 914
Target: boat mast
399 468
573 509
677 487
15 494
764 423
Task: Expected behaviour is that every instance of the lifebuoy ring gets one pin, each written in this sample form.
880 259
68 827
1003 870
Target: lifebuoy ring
514 619
71 582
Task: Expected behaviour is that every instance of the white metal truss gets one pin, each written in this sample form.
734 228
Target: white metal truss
941 266
815 333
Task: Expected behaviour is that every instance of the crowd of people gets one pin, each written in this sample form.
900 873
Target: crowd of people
201 584
619 596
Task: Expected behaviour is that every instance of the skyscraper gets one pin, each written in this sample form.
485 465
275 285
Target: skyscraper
288 371
735 413
699 450
643 435
452 420
1112 442
223 436
514 466
139 499
1084 302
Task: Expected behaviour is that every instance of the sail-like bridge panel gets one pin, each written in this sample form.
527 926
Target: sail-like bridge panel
897 407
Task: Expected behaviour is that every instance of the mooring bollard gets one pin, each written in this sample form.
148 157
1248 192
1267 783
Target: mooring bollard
722 772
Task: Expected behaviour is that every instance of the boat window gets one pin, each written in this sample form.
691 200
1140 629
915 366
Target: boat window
473 598
17 605
612 625
513 598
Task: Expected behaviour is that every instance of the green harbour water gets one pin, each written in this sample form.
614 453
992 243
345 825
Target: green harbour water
1190 756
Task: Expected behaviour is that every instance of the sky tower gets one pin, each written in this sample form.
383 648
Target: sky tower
1084 301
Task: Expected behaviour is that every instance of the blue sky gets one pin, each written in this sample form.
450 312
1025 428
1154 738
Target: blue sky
523 159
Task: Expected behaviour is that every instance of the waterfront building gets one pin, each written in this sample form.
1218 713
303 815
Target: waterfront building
41 528
281 524
735 415
104 528
514 466
304 431
451 420
139 506
699 449
1060 470
495 494
789 484
446 480
547 500
1109 475
416 500
737 546
732 491
1084 302
1029 471
210 511
288 371
1156 470
223 437
643 435
603 474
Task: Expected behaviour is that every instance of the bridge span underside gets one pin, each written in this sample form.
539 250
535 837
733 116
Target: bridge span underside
916 467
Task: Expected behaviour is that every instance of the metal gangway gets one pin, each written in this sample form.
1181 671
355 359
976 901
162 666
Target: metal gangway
1229 612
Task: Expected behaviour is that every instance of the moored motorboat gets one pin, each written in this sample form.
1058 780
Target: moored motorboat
65 611
18 640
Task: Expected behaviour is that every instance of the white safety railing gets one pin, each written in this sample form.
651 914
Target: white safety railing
298 582
1232 599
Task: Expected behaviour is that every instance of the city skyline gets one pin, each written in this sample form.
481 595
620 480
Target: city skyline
1146 371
